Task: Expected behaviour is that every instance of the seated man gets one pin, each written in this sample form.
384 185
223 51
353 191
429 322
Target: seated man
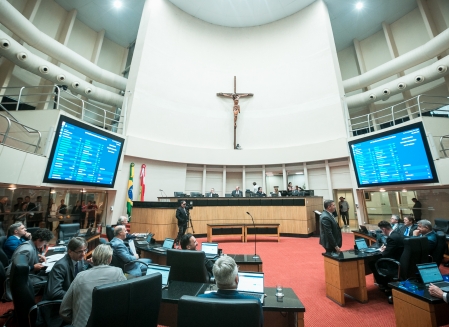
393 250
123 220
32 250
260 192
77 303
125 255
18 234
425 229
394 220
408 228
61 277
226 276
237 193
188 242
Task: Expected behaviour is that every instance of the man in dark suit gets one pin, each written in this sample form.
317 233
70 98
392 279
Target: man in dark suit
182 215
227 279
18 234
408 228
237 193
425 229
330 232
61 277
417 213
393 250
188 242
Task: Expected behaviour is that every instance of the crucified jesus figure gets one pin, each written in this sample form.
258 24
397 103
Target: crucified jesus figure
236 107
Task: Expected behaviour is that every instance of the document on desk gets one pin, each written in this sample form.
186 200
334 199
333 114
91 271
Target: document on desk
55 257
49 266
132 247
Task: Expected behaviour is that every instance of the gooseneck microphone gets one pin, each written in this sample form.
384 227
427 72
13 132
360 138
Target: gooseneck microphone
255 237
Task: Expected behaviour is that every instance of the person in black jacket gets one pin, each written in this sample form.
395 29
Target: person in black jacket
61 277
182 215
392 249
330 232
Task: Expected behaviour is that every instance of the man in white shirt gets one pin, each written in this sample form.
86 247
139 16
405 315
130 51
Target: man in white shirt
438 292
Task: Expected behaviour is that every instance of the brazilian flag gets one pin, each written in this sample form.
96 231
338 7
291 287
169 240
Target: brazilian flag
129 204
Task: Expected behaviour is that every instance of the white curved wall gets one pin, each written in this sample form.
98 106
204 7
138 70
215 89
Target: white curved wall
181 62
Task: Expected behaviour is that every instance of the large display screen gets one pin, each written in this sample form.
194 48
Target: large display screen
83 155
399 156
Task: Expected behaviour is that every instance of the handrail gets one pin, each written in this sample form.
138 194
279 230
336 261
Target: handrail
32 130
413 106
441 144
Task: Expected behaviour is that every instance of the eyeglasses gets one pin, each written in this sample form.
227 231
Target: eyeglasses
81 251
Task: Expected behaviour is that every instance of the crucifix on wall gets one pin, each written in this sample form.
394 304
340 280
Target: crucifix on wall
236 108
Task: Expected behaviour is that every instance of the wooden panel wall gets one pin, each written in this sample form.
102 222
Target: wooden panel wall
292 219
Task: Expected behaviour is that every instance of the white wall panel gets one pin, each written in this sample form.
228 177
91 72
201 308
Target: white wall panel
214 179
194 181
233 179
252 177
340 177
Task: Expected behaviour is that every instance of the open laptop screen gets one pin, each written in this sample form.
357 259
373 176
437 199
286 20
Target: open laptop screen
251 282
209 248
429 273
164 270
361 244
168 243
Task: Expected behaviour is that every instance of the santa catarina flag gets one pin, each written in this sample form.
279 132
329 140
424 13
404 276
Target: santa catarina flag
129 204
142 182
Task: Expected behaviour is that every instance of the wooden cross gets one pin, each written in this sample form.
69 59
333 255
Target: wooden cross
236 108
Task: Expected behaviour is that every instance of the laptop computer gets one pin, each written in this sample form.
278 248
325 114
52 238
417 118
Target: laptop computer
87 234
251 283
430 273
361 244
146 241
168 244
363 229
210 249
163 270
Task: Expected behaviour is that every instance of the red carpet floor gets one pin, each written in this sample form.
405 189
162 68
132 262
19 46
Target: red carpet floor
297 263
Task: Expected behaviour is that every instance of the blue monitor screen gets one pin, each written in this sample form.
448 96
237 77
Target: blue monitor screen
83 155
399 156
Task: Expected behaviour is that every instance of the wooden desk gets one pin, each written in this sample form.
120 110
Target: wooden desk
371 240
92 243
288 313
245 261
226 230
416 307
345 274
263 230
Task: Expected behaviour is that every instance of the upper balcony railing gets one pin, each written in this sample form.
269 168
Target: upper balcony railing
421 105
57 97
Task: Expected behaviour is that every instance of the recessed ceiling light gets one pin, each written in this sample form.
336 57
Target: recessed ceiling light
359 5
117 4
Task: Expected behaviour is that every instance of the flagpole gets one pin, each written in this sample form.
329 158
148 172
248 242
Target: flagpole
129 203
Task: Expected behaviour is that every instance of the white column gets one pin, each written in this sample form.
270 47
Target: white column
329 180
284 178
306 177
243 189
203 190
264 184
224 180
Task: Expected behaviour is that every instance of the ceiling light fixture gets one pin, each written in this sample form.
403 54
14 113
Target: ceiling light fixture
117 4
359 5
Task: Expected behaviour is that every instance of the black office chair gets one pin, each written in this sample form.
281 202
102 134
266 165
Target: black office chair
10 313
438 253
67 231
134 302
416 251
32 230
117 262
205 312
25 307
2 241
109 232
442 224
187 266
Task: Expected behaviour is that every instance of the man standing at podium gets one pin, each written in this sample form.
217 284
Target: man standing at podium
330 232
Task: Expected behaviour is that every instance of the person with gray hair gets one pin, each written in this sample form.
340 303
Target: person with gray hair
125 255
330 232
425 229
77 303
17 235
394 221
123 220
227 279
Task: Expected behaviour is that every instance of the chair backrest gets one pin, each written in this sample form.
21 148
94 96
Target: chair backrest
134 302
187 266
416 250
117 262
439 250
202 312
109 232
21 290
67 231
4 258
2 241
442 225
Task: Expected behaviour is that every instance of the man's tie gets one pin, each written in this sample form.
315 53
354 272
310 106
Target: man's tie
76 269
406 231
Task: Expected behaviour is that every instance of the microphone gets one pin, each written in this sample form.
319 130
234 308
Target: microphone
255 237
162 192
